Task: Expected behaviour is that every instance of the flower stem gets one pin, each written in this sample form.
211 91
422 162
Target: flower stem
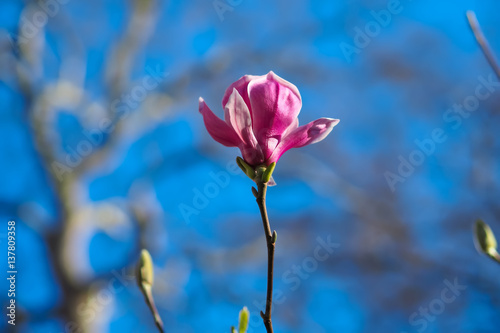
270 240
148 296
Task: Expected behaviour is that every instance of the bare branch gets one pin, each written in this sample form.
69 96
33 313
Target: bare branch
482 41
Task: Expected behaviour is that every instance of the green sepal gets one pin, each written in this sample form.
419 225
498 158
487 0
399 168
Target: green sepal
268 172
247 169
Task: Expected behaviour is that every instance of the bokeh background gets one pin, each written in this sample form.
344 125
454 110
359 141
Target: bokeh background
98 162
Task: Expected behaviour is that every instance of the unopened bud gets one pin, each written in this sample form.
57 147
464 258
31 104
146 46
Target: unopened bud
484 238
145 273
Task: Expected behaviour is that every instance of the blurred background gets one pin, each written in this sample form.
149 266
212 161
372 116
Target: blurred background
103 152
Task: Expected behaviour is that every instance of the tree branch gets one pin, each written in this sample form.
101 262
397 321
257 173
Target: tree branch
482 41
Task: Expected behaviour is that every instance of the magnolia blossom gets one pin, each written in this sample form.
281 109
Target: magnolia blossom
260 114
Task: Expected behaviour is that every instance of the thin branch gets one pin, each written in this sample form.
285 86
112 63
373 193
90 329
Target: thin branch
148 296
270 240
482 41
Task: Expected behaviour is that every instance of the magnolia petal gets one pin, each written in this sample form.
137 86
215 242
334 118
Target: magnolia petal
241 85
238 117
275 105
252 156
272 76
271 182
218 129
304 135
293 126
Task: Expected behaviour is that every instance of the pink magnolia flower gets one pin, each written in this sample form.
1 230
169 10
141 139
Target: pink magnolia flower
260 114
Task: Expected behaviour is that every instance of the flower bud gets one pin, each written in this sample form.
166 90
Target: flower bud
484 238
243 320
145 273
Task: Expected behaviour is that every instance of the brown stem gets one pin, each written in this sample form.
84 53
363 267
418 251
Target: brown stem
148 296
270 240
483 42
